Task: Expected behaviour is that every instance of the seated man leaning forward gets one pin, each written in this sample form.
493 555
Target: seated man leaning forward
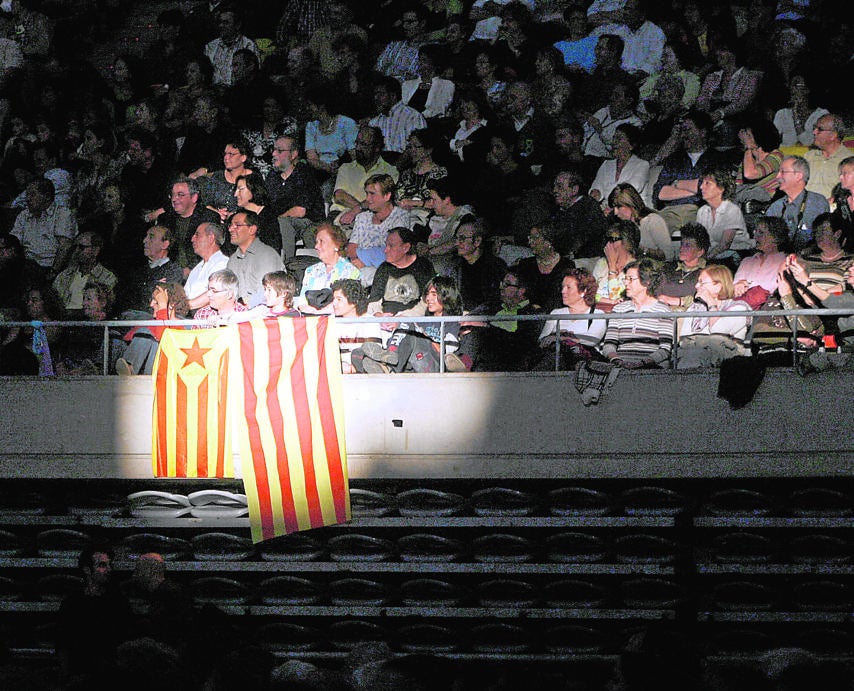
372 226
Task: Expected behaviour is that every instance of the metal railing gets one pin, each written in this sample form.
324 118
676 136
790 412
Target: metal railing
673 316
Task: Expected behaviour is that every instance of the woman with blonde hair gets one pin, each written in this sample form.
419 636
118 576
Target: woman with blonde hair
628 204
707 341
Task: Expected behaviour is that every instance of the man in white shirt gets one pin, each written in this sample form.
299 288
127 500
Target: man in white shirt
395 119
207 240
644 41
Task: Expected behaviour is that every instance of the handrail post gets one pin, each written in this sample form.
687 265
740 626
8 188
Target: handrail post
557 346
674 351
442 347
105 362
795 343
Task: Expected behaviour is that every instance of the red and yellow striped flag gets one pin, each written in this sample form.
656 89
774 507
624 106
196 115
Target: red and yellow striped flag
190 431
287 382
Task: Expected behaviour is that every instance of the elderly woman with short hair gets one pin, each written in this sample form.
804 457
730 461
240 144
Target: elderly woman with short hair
580 338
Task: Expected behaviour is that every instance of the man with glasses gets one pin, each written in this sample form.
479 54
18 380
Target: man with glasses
294 194
827 154
184 217
83 268
252 259
222 290
797 206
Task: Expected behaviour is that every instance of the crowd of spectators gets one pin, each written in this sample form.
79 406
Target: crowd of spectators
521 150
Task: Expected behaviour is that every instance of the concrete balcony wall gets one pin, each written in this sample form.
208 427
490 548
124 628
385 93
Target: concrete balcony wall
651 424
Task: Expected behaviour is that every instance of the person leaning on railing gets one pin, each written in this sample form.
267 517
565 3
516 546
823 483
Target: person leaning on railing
844 340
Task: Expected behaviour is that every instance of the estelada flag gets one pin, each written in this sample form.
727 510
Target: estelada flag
190 431
287 382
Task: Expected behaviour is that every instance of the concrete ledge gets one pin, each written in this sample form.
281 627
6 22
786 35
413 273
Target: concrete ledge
651 424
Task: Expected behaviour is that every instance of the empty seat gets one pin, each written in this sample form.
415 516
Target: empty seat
652 501
57 587
365 503
572 547
288 590
641 548
743 547
744 595
819 549
502 547
429 502
579 501
358 592
498 637
427 638
822 596
652 593
296 547
157 504
738 502
826 641
819 502
357 547
345 635
170 548
575 594
10 544
574 639
506 592
287 636
222 547
10 590
426 547
502 501
219 590
431 592
739 641
61 543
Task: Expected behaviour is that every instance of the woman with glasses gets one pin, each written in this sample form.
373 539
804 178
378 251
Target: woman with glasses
640 342
251 195
707 341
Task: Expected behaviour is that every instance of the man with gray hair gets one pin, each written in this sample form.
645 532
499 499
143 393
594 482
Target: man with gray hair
223 289
827 153
206 241
797 206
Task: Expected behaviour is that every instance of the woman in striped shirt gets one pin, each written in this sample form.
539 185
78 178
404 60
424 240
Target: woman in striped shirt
643 342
